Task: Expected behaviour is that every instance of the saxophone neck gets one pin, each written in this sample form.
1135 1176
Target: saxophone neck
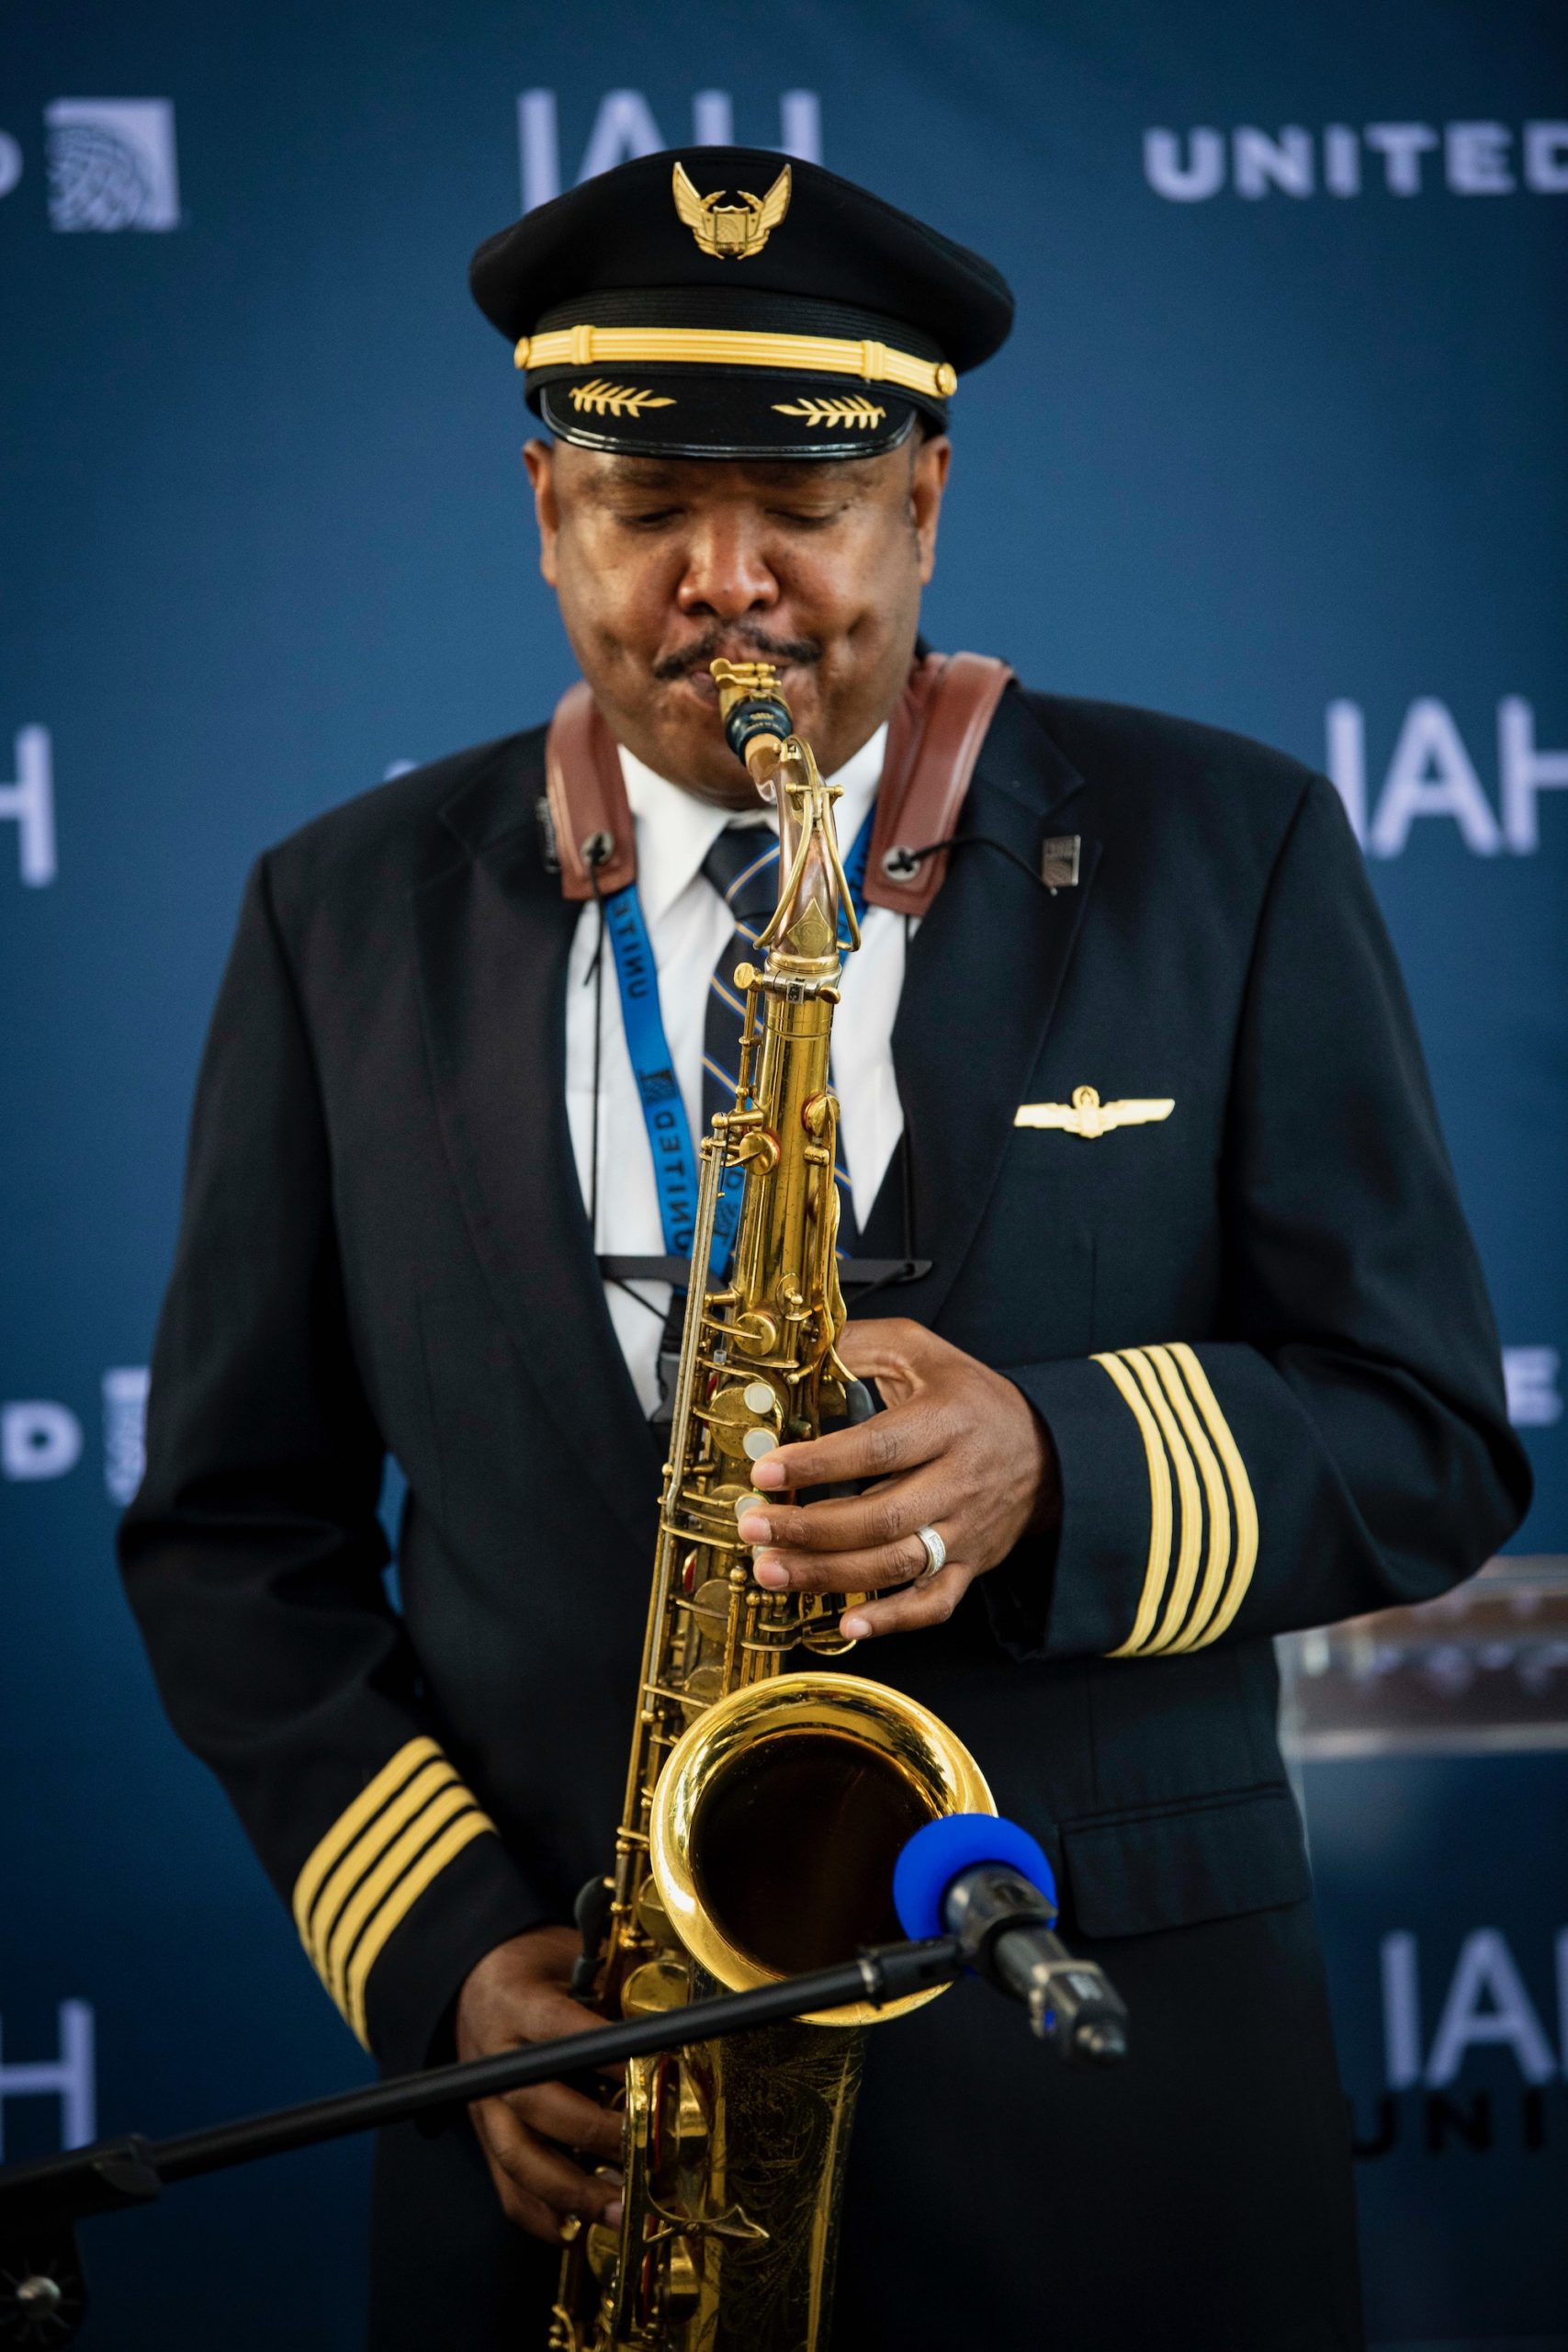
757 723
802 937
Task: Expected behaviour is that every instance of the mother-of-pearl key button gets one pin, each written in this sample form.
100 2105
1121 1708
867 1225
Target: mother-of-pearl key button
758 1398
760 1441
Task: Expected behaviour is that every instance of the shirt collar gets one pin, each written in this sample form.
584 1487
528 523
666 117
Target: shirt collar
675 831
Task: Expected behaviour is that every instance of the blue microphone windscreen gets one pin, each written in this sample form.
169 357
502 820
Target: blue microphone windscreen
943 1850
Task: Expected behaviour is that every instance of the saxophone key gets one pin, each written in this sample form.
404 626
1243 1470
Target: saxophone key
744 1429
662 1982
703 1685
652 1916
710 1608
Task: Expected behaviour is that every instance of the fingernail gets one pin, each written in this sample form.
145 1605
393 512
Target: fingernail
857 1629
613 2211
769 1571
767 1473
753 1528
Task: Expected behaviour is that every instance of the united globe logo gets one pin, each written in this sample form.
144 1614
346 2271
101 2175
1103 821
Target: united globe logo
111 165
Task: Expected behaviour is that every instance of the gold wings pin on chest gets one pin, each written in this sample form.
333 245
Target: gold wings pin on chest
731 232
1087 1116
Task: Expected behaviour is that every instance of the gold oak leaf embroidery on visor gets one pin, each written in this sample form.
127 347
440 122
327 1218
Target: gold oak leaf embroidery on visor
616 400
1087 1115
853 411
731 232
1203 1512
367 1872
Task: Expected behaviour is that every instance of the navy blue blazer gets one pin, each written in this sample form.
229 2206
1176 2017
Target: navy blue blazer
1256 1328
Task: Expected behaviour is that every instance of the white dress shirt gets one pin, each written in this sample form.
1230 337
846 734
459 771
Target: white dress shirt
689 927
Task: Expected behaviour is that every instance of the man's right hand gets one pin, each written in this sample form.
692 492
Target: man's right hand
518 1993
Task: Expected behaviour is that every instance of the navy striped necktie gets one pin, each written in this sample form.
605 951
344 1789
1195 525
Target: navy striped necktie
743 867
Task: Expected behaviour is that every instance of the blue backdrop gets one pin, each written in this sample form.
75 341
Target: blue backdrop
1276 445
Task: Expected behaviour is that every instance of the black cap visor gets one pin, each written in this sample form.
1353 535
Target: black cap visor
725 413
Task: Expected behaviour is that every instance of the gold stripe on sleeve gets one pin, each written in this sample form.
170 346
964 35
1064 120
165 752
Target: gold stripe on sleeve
366 1849
373 1864
439 1807
1218 1501
1241 1493
401 1900
330 1850
1158 1566
1191 1528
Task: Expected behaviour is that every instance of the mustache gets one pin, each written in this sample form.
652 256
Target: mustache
732 644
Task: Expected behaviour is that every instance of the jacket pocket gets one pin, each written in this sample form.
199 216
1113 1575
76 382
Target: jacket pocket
1133 1874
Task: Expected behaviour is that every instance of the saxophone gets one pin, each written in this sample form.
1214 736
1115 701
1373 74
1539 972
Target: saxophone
765 1808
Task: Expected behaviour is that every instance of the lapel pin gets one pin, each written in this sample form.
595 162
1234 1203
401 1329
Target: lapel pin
1087 1116
1059 861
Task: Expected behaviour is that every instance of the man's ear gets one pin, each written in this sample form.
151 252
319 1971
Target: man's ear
928 480
539 457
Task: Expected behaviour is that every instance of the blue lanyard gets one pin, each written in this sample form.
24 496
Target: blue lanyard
663 1109
854 875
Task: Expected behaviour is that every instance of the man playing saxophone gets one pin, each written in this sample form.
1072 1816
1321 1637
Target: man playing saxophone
1151 1252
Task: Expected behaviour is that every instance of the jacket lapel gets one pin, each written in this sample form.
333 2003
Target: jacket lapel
984 975
494 936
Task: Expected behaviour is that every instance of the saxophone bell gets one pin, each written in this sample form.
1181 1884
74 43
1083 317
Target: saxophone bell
780 1816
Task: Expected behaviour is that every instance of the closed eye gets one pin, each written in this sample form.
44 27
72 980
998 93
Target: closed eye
812 516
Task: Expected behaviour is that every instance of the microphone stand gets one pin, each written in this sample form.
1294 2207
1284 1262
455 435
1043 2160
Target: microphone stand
42 2294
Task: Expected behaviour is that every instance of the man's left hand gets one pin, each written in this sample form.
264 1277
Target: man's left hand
958 1448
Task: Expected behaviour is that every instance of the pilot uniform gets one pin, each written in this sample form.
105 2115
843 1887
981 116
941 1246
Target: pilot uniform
1245 1304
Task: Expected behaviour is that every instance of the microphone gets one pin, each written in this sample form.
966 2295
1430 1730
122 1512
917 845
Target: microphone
987 1881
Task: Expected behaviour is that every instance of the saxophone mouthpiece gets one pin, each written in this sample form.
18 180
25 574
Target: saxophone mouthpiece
756 718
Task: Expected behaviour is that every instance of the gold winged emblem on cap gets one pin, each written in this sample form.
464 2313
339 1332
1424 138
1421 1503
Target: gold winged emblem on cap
1087 1115
731 232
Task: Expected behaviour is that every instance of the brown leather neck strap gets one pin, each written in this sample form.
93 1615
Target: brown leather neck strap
934 740
588 813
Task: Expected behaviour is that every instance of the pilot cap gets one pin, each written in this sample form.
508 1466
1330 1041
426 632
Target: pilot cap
733 302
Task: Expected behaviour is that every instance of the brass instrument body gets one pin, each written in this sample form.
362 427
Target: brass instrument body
762 1809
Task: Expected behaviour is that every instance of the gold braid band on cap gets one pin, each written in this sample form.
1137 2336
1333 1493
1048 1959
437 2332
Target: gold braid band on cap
823 355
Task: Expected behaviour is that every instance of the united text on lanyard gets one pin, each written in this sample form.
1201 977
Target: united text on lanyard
659 1089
